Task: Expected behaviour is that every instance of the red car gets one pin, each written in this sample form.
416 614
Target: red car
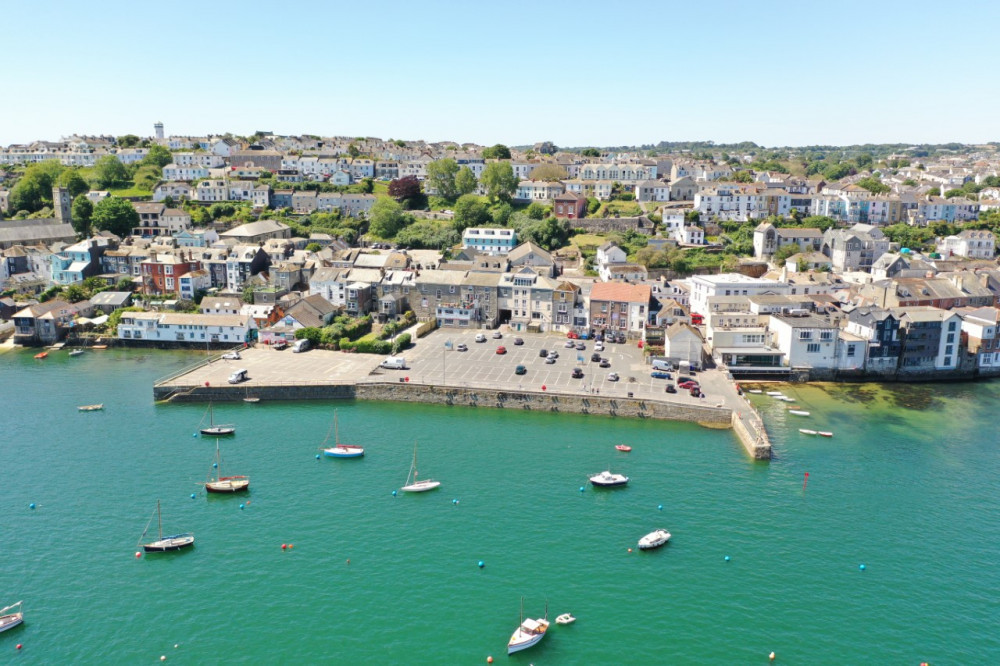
572 336
501 350
688 385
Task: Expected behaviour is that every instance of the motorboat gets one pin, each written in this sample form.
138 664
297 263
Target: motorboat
10 618
76 352
806 431
165 544
41 355
565 618
623 447
91 408
654 539
825 433
608 480
529 632
798 412
775 393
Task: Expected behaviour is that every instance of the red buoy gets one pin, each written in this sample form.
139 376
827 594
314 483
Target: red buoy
284 546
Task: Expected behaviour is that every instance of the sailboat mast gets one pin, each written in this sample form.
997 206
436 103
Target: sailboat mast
336 430
159 521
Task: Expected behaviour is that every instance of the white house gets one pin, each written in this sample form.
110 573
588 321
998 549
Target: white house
207 160
970 243
805 341
177 172
195 329
492 240
211 190
683 343
704 287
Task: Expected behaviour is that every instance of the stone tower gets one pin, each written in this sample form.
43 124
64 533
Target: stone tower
62 204
158 128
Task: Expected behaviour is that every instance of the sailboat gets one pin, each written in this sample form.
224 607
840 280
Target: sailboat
214 429
10 620
224 484
252 399
412 484
164 543
529 631
339 450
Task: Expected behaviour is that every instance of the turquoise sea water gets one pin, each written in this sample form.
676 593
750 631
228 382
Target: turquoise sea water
908 487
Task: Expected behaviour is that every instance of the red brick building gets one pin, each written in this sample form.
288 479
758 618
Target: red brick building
160 272
570 205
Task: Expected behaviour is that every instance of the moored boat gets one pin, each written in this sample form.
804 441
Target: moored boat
775 393
91 408
10 618
798 412
41 355
76 352
216 429
339 450
608 480
754 391
224 484
565 618
623 447
529 631
654 539
412 484
806 431
164 544
825 433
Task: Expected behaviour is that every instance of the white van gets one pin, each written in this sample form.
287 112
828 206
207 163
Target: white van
238 376
300 346
394 363
662 364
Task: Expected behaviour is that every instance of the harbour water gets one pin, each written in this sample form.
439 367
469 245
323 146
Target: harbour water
908 486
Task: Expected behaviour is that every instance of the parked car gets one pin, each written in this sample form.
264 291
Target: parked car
300 346
577 373
501 350
613 377
688 385
232 356
598 346
550 360
542 353
553 354
671 388
480 337
572 336
569 344
520 370
279 345
595 358
696 392
580 346
682 378
659 374
497 335
518 342
605 363
462 347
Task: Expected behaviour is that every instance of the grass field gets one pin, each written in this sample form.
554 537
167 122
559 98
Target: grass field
131 192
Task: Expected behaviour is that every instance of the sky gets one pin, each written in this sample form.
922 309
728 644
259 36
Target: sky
577 73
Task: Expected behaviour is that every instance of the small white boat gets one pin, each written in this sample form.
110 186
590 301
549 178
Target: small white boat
91 408
758 391
806 431
608 480
76 352
798 412
654 539
565 618
786 398
529 632
775 393
825 433
9 620
414 486
339 450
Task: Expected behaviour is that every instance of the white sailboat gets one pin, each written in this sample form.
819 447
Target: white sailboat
215 429
529 631
412 484
9 620
339 450
164 543
224 484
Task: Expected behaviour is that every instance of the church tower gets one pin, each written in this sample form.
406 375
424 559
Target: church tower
62 204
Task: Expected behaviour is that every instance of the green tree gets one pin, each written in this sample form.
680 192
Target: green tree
742 177
499 180
535 210
353 151
500 213
74 182
934 192
874 185
367 186
909 182
386 218
82 211
157 156
465 181
470 211
496 152
74 293
590 152
441 176
428 235
313 247
34 189
127 141
785 251
109 172
123 284
115 215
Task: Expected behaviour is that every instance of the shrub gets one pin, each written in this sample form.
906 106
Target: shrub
401 343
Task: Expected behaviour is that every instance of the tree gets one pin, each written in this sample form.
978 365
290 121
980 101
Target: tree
742 177
934 192
784 252
115 215
500 213
109 172
465 182
74 182
127 141
146 177
81 212
407 187
352 150
34 189
549 172
874 185
590 152
157 156
313 247
386 218
535 210
909 182
441 176
123 284
367 186
499 180
470 211
497 152
428 234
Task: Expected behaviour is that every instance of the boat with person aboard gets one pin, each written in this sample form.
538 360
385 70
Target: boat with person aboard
529 631
164 544
565 618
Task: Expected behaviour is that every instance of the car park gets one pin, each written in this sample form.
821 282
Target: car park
497 335
501 350
520 370
659 374
480 337
542 353
577 373
518 342
613 377
681 379
462 347
595 358
605 363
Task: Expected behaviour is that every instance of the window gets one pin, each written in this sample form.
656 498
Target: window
805 335
826 335
812 348
947 360
951 337
950 349
951 326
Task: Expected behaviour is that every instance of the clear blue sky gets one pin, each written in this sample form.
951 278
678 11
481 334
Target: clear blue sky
576 73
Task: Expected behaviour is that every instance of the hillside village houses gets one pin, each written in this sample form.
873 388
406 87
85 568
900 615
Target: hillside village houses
847 302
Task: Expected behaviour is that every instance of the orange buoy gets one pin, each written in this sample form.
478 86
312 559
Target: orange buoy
630 550
489 660
771 656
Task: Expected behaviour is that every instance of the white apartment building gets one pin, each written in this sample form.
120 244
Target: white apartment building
704 287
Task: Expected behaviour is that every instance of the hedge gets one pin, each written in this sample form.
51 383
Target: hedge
366 346
402 342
